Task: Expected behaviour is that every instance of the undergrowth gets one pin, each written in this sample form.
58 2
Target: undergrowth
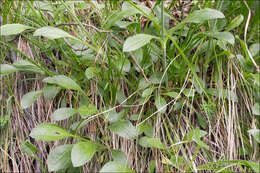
130 86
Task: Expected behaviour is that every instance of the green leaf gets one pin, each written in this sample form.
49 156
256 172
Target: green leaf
82 152
143 84
146 128
156 78
189 92
113 116
59 158
123 13
255 49
63 113
151 142
118 16
123 64
152 166
29 98
115 167
49 132
134 117
226 36
86 111
12 29
235 22
200 16
199 85
256 109
52 33
160 104
119 156
122 24
147 92
145 9
124 128
26 66
255 133
50 91
137 41
196 137
63 81
29 148
91 72
194 132
172 94
254 166
6 69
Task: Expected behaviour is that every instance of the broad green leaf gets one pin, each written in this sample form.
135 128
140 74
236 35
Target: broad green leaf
256 80
119 156
12 29
59 158
120 97
151 142
123 24
52 33
147 92
113 116
255 133
137 41
255 49
26 66
63 81
124 128
138 54
178 161
115 167
189 92
235 22
91 72
86 111
226 36
160 104
44 5
82 152
122 64
123 13
143 84
145 128
50 91
29 148
29 98
256 109
194 132
172 94
134 117
196 137
156 78
119 15
63 113
145 9
199 85
6 69
200 16
49 132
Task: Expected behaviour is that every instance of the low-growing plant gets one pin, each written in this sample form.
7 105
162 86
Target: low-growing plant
167 89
